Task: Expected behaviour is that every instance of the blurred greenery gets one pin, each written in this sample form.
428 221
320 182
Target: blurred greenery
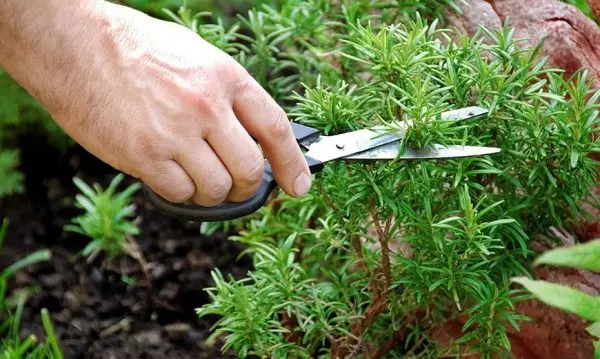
221 8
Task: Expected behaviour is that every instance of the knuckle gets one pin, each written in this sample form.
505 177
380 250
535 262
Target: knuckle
215 190
179 195
149 146
243 83
252 174
201 101
175 194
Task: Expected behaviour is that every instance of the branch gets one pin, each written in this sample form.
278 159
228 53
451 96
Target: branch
328 200
291 323
346 345
385 250
390 344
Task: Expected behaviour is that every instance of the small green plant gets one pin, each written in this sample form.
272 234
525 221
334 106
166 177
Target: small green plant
107 218
11 344
581 256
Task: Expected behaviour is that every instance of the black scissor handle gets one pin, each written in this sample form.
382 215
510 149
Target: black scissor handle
225 211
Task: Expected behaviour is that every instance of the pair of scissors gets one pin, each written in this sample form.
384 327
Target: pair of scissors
370 144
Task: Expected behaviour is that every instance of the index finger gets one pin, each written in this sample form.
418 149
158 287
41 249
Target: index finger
266 121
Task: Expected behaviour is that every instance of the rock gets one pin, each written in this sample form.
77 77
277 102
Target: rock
149 337
169 246
159 271
196 338
52 280
572 40
22 279
475 13
199 259
179 265
177 331
64 316
169 291
97 276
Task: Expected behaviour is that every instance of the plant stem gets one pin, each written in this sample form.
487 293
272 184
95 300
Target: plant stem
385 250
52 340
390 343
135 251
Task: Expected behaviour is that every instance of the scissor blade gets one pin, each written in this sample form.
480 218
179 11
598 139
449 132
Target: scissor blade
466 113
391 151
328 148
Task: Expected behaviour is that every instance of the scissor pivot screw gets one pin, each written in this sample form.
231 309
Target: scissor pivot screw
339 146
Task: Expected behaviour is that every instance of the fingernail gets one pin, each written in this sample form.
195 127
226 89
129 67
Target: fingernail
302 184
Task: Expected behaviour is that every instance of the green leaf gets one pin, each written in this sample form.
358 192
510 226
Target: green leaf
41 255
563 297
574 158
594 329
581 256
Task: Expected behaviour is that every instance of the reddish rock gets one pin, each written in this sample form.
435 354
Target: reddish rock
475 13
572 40
553 333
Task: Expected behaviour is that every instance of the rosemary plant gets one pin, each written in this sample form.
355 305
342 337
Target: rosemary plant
107 217
379 254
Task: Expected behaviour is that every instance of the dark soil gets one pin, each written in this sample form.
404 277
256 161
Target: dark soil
97 314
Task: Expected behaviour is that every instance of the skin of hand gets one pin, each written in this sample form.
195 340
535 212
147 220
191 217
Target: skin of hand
150 98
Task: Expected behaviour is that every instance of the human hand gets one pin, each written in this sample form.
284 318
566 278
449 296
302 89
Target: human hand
154 100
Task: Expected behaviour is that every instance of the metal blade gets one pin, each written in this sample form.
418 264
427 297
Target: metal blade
391 151
328 148
466 113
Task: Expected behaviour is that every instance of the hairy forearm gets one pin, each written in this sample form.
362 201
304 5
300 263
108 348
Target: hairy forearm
43 44
151 98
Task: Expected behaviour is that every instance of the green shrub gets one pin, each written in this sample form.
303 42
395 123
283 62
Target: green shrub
378 254
318 287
